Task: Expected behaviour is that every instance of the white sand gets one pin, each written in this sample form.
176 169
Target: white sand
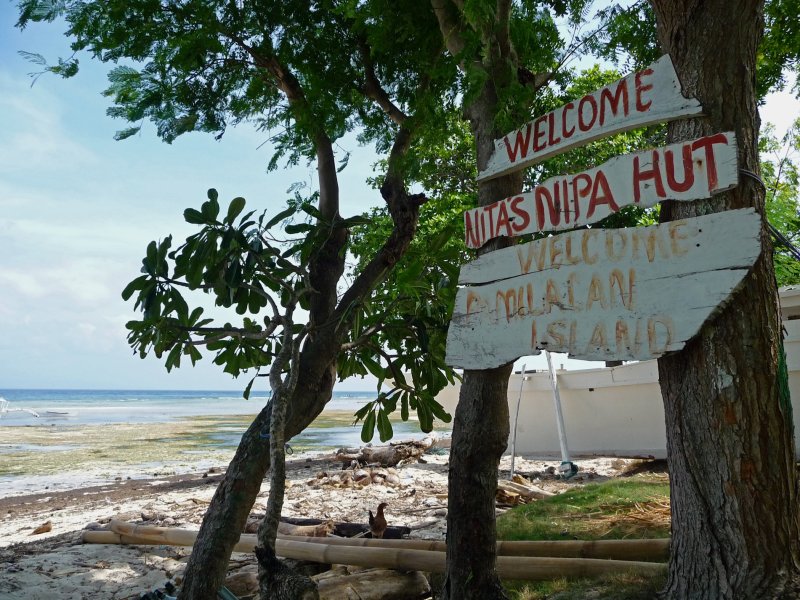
56 565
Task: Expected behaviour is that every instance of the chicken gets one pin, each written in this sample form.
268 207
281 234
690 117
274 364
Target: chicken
377 523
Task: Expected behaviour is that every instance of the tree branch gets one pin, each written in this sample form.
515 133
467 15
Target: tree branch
223 333
396 373
502 29
372 87
291 88
449 26
363 339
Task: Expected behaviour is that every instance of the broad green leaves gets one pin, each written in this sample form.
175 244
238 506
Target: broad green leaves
234 262
249 264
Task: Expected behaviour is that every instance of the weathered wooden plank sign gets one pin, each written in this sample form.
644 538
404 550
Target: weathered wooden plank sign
621 294
649 96
688 170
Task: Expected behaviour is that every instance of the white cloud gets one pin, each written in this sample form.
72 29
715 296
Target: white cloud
27 285
34 136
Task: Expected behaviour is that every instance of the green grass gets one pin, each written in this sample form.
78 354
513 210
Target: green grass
634 508
611 510
614 587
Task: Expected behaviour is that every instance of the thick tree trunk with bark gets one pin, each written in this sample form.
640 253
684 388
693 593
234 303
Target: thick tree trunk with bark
729 424
231 504
481 424
480 434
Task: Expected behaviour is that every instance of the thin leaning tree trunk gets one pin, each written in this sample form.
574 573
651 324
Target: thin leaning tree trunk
231 504
728 415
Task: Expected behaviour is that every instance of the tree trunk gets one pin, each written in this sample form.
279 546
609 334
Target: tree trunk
481 424
234 498
227 514
728 416
480 434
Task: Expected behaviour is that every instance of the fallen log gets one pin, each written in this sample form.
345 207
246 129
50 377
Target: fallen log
348 530
320 530
372 584
387 456
508 567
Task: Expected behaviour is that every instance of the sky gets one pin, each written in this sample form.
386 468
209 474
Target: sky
77 210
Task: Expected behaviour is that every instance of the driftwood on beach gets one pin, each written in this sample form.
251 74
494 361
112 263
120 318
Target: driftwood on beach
372 584
321 529
386 456
511 567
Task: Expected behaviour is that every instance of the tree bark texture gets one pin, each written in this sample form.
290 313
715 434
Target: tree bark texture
480 434
728 416
234 498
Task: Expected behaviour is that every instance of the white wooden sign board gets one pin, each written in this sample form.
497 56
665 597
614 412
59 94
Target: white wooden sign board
614 294
652 95
684 171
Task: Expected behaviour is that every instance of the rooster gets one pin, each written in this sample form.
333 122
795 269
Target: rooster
377 523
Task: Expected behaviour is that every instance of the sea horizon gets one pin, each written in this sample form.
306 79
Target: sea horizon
79 406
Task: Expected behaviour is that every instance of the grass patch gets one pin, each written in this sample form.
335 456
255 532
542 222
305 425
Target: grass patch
611 510
634 508
624 586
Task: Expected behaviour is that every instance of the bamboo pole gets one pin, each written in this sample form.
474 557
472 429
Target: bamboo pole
642 550
647 549
509 567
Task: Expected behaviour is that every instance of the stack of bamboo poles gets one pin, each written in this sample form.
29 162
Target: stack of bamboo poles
516 560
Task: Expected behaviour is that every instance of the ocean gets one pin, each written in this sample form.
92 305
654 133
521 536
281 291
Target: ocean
97 407
68 408
86 437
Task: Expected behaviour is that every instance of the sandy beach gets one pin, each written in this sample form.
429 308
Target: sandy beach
125 480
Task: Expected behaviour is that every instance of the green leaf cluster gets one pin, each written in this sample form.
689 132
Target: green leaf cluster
203 66
235 259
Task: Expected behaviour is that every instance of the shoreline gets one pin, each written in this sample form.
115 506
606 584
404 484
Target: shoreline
60 457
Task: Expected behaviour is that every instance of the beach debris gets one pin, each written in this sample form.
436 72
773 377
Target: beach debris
342 529
153 516
316 529
243 582
359 477
323 529
43 528
387 456
510 566
515 492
